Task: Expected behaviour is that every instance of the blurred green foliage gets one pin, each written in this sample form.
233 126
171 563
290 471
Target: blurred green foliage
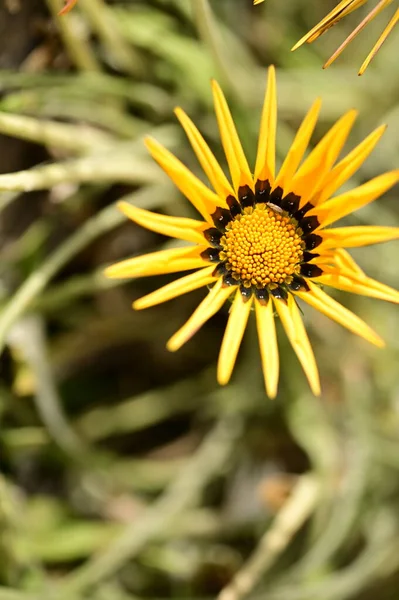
125 471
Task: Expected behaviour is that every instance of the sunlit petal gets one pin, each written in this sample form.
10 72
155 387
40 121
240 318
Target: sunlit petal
268 346
266 154
239 169
334 310
176 288
236 325
208 307
296 333
176 227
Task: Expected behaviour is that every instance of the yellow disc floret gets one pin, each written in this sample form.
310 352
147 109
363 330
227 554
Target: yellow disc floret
262 247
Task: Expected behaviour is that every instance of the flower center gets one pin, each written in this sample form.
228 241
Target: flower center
262 247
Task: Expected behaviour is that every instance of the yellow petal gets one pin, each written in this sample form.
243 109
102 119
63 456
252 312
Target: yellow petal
341 10
177 227
238 165
208 162
346 203
296 333
311 175
357 236
372 14
208 307
176 288
334 310
344 260
362 285
268 346
266 155
381 40
201 197
298 147
158 263
232 338
349 165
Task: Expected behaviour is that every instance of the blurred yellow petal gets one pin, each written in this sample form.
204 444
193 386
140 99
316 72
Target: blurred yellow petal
208 162
69 4
157 263
266 153
232 338
201 197
346 203
372 14
238 165
334 310
176 288
208 307
176 227
381 40
296 333
298 147
268 346
345 7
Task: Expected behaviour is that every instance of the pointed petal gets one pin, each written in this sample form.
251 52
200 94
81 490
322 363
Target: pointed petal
176 227
176 288
368 18
345 7
357 236
346 203
362 285
158 263
316 167
296 333
344 260
238 165
380 41
232 338
334 310
298 147
201 197
208 307
268 346
349 165
208 162
266 155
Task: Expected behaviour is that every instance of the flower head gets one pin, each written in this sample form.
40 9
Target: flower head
339 12
263 240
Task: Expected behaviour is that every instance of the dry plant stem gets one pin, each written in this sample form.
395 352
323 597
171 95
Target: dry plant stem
289 520
73 138
207 29
102 20
29 337
104 221
183 493
118 165
78 49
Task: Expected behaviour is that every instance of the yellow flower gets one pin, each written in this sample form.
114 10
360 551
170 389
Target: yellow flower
263 239
339 12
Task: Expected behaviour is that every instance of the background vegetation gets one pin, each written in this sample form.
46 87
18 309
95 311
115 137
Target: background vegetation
126 472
